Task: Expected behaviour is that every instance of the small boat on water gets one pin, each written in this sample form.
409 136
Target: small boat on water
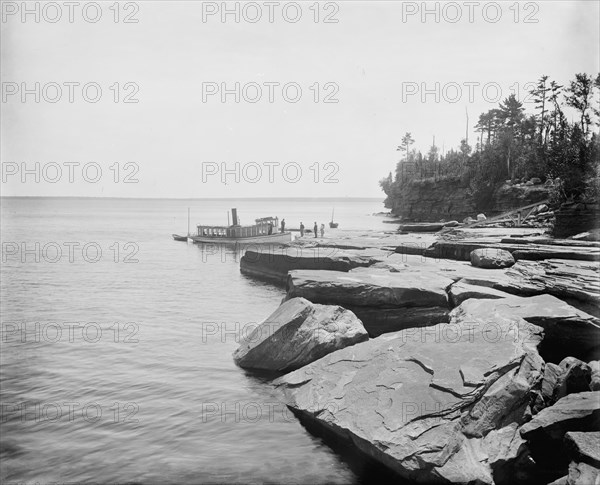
264 231
177 237
333 225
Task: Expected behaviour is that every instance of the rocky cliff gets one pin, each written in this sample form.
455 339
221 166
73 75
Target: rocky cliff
428 200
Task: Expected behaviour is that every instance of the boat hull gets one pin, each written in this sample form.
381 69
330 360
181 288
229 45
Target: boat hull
177 237
279 237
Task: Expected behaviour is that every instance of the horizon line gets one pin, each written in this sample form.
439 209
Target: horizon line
180 198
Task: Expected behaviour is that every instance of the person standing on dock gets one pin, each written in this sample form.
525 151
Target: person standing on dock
301 230
282 225
322 230
315 228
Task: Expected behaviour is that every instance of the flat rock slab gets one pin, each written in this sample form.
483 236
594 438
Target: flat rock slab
460 292
298 333
575 412
422 227
562 278
564 325
348 239
384 301
436 404
542 310
461 249
584 446
378 321
275 264
370 287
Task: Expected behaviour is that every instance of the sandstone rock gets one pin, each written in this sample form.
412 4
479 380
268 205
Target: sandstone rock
595 376
574 412
384 301
549 384
568 331
583 474
566 279
422 227
378 321
584 446
461 249
481 217
575 377
437 404
451 224
491 258
370 287
298 333
275 264
461 291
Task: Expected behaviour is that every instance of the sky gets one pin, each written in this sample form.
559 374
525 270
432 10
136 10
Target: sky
325 90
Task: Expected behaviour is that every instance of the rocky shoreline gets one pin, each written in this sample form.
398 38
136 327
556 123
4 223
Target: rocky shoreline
470 357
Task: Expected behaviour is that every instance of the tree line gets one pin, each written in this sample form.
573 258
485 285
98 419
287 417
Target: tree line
515 145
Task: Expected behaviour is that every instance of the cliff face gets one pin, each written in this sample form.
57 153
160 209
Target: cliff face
429 201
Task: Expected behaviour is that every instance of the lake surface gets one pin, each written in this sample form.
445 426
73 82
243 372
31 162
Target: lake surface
116 347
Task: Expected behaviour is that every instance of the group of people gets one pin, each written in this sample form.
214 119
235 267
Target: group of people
315 230
302 229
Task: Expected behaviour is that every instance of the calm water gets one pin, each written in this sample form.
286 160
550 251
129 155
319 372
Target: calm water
120 370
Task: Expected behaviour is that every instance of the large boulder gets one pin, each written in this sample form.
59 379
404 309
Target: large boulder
491 258
384 301
575 377
436 404
298 333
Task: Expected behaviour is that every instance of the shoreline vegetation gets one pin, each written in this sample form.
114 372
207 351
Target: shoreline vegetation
515 146
448 353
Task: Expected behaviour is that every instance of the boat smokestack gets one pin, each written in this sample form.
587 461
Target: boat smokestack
234 217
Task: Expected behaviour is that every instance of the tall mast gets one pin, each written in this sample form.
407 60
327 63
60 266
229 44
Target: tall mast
467 126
